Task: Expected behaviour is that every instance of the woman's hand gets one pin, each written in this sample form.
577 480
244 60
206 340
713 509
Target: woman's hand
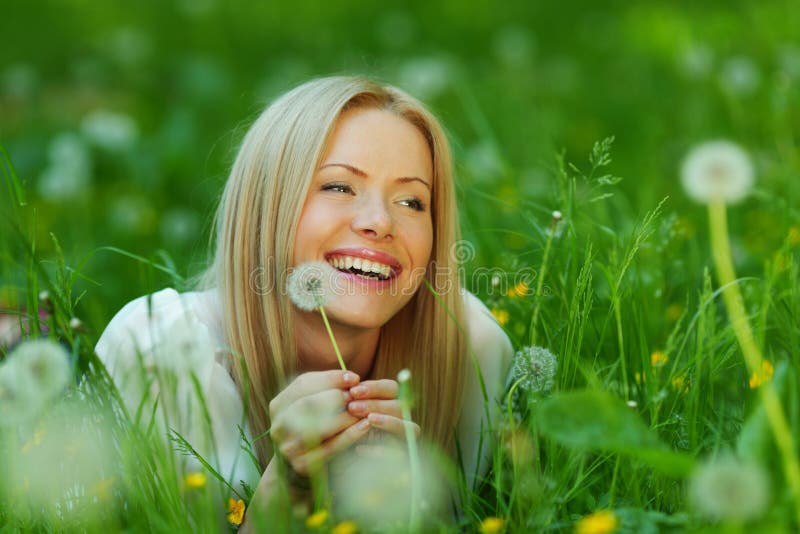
309 421
376 400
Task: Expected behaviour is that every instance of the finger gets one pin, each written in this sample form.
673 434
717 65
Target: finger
331 447
361 408
310 383
375 389
394 425
298 444
312 417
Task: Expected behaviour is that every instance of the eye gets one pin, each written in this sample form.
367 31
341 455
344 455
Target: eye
337 187
413 203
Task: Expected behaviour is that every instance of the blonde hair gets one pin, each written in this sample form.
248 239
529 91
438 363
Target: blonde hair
257 217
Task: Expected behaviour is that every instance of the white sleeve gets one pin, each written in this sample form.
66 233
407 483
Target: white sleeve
152 349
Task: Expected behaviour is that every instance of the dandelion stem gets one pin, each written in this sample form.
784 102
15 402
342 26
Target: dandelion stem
333 339
404 395
734 303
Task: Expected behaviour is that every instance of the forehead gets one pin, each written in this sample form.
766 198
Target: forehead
379 142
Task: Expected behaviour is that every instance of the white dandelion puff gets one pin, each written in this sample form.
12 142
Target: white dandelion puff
310 285
404 376
32 374
110 130
717 170
534 368
727 489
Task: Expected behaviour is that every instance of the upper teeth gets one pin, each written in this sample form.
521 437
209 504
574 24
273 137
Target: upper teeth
347 262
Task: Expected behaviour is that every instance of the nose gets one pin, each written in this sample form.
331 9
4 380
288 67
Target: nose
373 221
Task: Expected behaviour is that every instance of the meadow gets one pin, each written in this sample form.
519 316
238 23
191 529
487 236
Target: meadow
653 307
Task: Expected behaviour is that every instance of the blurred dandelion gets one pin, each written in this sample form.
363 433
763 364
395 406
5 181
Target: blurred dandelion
520 289
179 225
345 527
696 61
69 168
658 359
673 312
727 489
426 77
110 130
740 76
514 46
501 315
763 375
19 80
602 522
317 519
195 480
31 376
492 525
717 170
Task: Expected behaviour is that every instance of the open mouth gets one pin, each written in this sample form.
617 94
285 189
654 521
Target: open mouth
370 270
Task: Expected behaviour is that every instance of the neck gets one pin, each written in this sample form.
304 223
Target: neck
315 351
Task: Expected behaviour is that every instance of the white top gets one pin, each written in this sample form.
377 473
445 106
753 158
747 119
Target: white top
155 343
160 340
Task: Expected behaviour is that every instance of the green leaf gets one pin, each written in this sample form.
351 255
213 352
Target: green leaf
595 420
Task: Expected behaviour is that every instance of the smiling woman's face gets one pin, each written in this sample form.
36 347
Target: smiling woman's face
368 213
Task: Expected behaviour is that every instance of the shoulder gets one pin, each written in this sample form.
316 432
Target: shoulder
152 320
487 339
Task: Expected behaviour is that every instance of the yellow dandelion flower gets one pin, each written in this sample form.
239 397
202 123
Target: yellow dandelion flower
673 312
195 480
763 375
236 509
658 359
680 384
519 290
502 316
317 519
345 527
794 236
102 490
492 525
35 441
602 522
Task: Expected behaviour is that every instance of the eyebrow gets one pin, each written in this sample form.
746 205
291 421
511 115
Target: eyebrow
363 174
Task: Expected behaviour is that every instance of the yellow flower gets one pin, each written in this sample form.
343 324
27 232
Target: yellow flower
102 489
763 375
602 522
35 441
658 358
492 525
317 519
639 377
794 236
519 290
673 312
236 509
502 316
345 527
195 480
680 384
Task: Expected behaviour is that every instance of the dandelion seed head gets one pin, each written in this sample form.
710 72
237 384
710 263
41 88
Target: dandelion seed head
536 368
309 286
717 170
726 488
404 376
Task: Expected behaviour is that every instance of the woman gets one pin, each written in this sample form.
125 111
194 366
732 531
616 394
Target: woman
359 175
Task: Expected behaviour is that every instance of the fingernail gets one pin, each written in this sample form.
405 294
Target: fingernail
350 378
363 424
358 391
346 396
356 406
